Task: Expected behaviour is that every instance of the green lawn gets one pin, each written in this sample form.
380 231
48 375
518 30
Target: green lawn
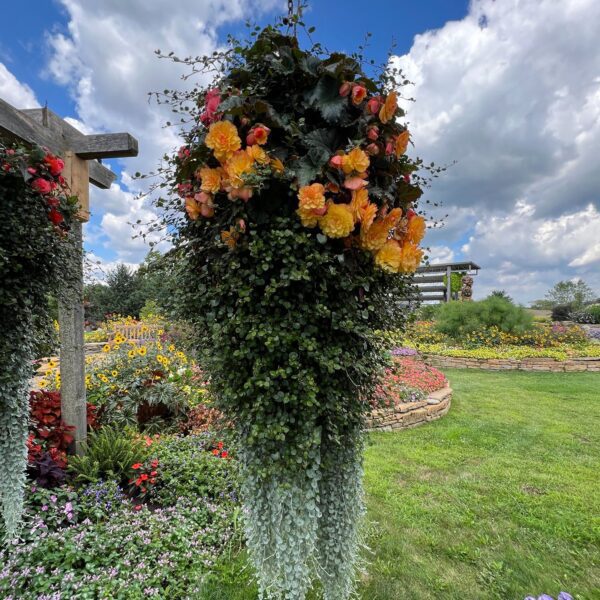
499 499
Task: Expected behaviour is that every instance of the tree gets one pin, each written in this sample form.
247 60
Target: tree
575 293
501 294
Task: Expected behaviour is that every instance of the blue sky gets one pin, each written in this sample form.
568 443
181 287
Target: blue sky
507 91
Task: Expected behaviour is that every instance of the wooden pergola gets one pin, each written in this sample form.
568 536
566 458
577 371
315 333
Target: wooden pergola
82 155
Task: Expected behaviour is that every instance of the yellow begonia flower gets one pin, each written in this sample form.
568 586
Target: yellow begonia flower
411 257
356 161
210 179
337 221
257 154
402 143
388 257
415 230
388 110
239 165
223 139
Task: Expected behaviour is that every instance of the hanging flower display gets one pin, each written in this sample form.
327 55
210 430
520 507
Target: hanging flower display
35 212
293 214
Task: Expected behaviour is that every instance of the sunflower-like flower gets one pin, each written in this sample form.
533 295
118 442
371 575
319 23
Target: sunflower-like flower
223 139
415 229
411 258
337 222
238 165
210 179
356 161
388 257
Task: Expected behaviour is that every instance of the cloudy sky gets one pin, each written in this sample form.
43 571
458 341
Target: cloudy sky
507 95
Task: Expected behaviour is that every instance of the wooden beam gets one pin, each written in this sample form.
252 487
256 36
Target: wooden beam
64 136
106 145
76 173
418 278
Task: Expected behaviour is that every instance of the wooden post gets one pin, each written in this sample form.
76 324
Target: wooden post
71 311
448 283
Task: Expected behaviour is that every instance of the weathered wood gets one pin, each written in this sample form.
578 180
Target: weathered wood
28 125
428 278
432 288
76 174
106 145
72 349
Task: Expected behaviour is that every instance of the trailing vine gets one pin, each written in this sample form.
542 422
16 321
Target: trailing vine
293 212
35 215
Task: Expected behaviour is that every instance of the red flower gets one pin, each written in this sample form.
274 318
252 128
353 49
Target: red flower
41 185
154 463
213 99
153 473
138 481
224 454
55 164
215 452
220 445
153 480
55 217
138 507
136 466
144 477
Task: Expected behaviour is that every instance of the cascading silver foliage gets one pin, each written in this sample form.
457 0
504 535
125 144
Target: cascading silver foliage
304 524
14 421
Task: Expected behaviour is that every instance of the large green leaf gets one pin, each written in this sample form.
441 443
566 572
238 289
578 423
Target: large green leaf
325 97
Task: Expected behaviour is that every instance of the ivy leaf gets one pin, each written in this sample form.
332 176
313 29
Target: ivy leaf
306 170
322 144
325 97
232 105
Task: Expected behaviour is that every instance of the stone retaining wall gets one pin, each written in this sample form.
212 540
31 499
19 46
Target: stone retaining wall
507 364
411 414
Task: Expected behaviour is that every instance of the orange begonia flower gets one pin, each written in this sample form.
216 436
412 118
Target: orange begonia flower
337 221
192 208
402 143
388 110
223 139
415 229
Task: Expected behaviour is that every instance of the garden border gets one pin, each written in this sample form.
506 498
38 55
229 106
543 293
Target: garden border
514 364
411 414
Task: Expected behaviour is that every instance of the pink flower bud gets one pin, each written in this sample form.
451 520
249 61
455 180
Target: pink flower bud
406 178
373 133
319 212
207 211
372 149
373 105
389 147
345 88
250 139
359 93
336 161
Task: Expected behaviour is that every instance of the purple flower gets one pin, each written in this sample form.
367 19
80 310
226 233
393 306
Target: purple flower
53 498
564 596
545 597
404 352
45 507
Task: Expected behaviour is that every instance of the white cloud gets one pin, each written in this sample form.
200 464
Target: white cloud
14 92
107 61
512 93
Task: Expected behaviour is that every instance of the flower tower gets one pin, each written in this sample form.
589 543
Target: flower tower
294 214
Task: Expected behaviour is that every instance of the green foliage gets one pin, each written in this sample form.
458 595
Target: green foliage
188 469
575 293
589 314
501 294
561 312
285 320
455 282
459 319
32 253
108 453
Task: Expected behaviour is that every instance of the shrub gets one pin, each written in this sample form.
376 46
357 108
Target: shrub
108 454
203 418
459 319
99 500
561 312
192 467
582 316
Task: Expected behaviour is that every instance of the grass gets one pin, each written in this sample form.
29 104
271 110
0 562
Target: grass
497 500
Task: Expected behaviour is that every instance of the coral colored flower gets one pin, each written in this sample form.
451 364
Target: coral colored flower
415 230
401 143
183 153
192 208
41 185
138 507
372 149
240 164
336 161
210 179
223 139
224 454
359 93
373 133
212 101
355 183
356 161
345 88
388 257
154 463
260 134
388 110
215 452
337 221
411 257
220 445
311 196
373 105
136 466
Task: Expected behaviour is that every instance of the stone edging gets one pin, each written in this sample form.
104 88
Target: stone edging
514 364
411 414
